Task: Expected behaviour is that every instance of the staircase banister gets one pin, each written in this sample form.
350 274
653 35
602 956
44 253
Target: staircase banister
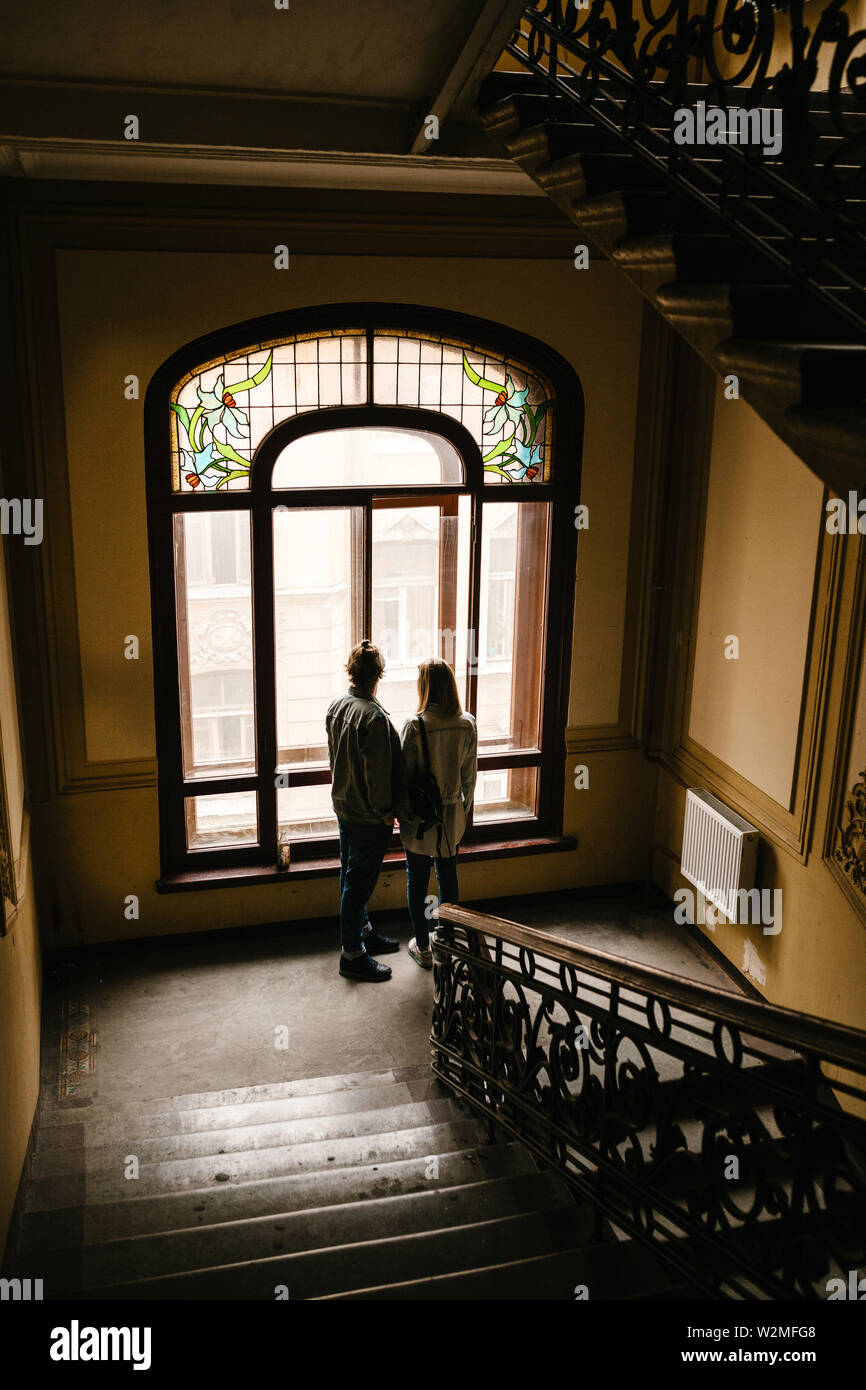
789 195
834 1042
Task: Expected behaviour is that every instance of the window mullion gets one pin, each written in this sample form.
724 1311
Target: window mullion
265 672
474 621
368 569
358 600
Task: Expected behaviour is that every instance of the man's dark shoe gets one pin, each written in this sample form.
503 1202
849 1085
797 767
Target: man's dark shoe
378 945
364 968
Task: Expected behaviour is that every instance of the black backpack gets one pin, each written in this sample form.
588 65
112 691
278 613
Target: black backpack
425 798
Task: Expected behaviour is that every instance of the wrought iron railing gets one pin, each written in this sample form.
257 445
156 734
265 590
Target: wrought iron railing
697 1120
631 65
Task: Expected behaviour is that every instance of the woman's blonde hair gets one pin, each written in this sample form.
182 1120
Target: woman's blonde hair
365 665
437 686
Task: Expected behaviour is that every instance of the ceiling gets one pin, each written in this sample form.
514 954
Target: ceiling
234 92
386 49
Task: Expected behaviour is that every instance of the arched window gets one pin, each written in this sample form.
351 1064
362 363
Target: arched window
346 472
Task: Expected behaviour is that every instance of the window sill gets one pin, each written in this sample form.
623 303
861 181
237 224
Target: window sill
190 881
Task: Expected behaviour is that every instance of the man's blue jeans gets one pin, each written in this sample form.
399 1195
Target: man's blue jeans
362 849
417 883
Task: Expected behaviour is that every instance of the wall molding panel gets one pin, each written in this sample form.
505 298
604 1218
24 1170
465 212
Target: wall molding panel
843 849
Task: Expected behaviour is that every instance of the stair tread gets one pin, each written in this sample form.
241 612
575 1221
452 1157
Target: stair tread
76 1108
189 1120
317 1228
609 1271
251 1165
141 1216
103 1159
313 1273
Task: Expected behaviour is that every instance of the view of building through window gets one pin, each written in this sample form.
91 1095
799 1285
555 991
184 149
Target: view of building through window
419 558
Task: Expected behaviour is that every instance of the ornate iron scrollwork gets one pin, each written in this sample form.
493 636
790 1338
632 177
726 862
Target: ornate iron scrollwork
630 65
721 1145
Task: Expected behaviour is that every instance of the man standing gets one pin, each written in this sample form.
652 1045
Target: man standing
366 791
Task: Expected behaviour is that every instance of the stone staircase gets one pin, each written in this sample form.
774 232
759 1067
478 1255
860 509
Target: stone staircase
802 367
368 1185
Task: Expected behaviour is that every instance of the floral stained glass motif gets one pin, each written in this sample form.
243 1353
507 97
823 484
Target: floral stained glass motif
210 459
504 407
512 424
222 412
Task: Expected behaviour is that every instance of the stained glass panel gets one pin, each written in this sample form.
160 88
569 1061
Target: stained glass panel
504 407
221 413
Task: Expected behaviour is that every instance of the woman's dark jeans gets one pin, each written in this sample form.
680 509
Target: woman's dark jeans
417 883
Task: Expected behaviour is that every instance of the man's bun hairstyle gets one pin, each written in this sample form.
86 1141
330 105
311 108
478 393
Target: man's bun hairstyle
365 665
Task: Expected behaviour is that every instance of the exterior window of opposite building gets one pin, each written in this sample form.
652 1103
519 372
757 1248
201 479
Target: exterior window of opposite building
346 472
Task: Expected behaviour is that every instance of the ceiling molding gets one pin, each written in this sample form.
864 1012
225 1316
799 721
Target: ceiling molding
113 161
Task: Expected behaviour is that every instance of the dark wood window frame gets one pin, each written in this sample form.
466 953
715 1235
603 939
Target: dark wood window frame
181 868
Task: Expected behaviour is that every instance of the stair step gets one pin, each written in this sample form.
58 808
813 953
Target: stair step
586 175
435 1136
106 1159
76 1109
290 1233
832 442
707 314
813 375
341 1268
685 257
609 217
621 1270
536 146
242 1201
121 1128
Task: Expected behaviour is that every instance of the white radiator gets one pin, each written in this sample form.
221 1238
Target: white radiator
720 851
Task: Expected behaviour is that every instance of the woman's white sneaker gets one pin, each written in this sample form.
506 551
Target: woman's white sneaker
423 958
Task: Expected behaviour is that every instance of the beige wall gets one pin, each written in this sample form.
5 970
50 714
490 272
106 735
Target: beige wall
20 981
123 313
763 519
817 963
765 513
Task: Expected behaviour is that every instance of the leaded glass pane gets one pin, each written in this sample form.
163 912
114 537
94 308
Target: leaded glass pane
503 406
222 412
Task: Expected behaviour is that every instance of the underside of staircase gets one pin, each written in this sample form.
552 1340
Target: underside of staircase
374 1185
800 365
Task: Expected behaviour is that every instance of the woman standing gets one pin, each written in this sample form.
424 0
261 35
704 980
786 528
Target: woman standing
451 741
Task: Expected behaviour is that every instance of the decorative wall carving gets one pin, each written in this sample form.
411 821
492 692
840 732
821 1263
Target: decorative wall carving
851 850
8 886
223 638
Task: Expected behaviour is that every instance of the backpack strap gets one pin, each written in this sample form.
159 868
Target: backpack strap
425 748
426 753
